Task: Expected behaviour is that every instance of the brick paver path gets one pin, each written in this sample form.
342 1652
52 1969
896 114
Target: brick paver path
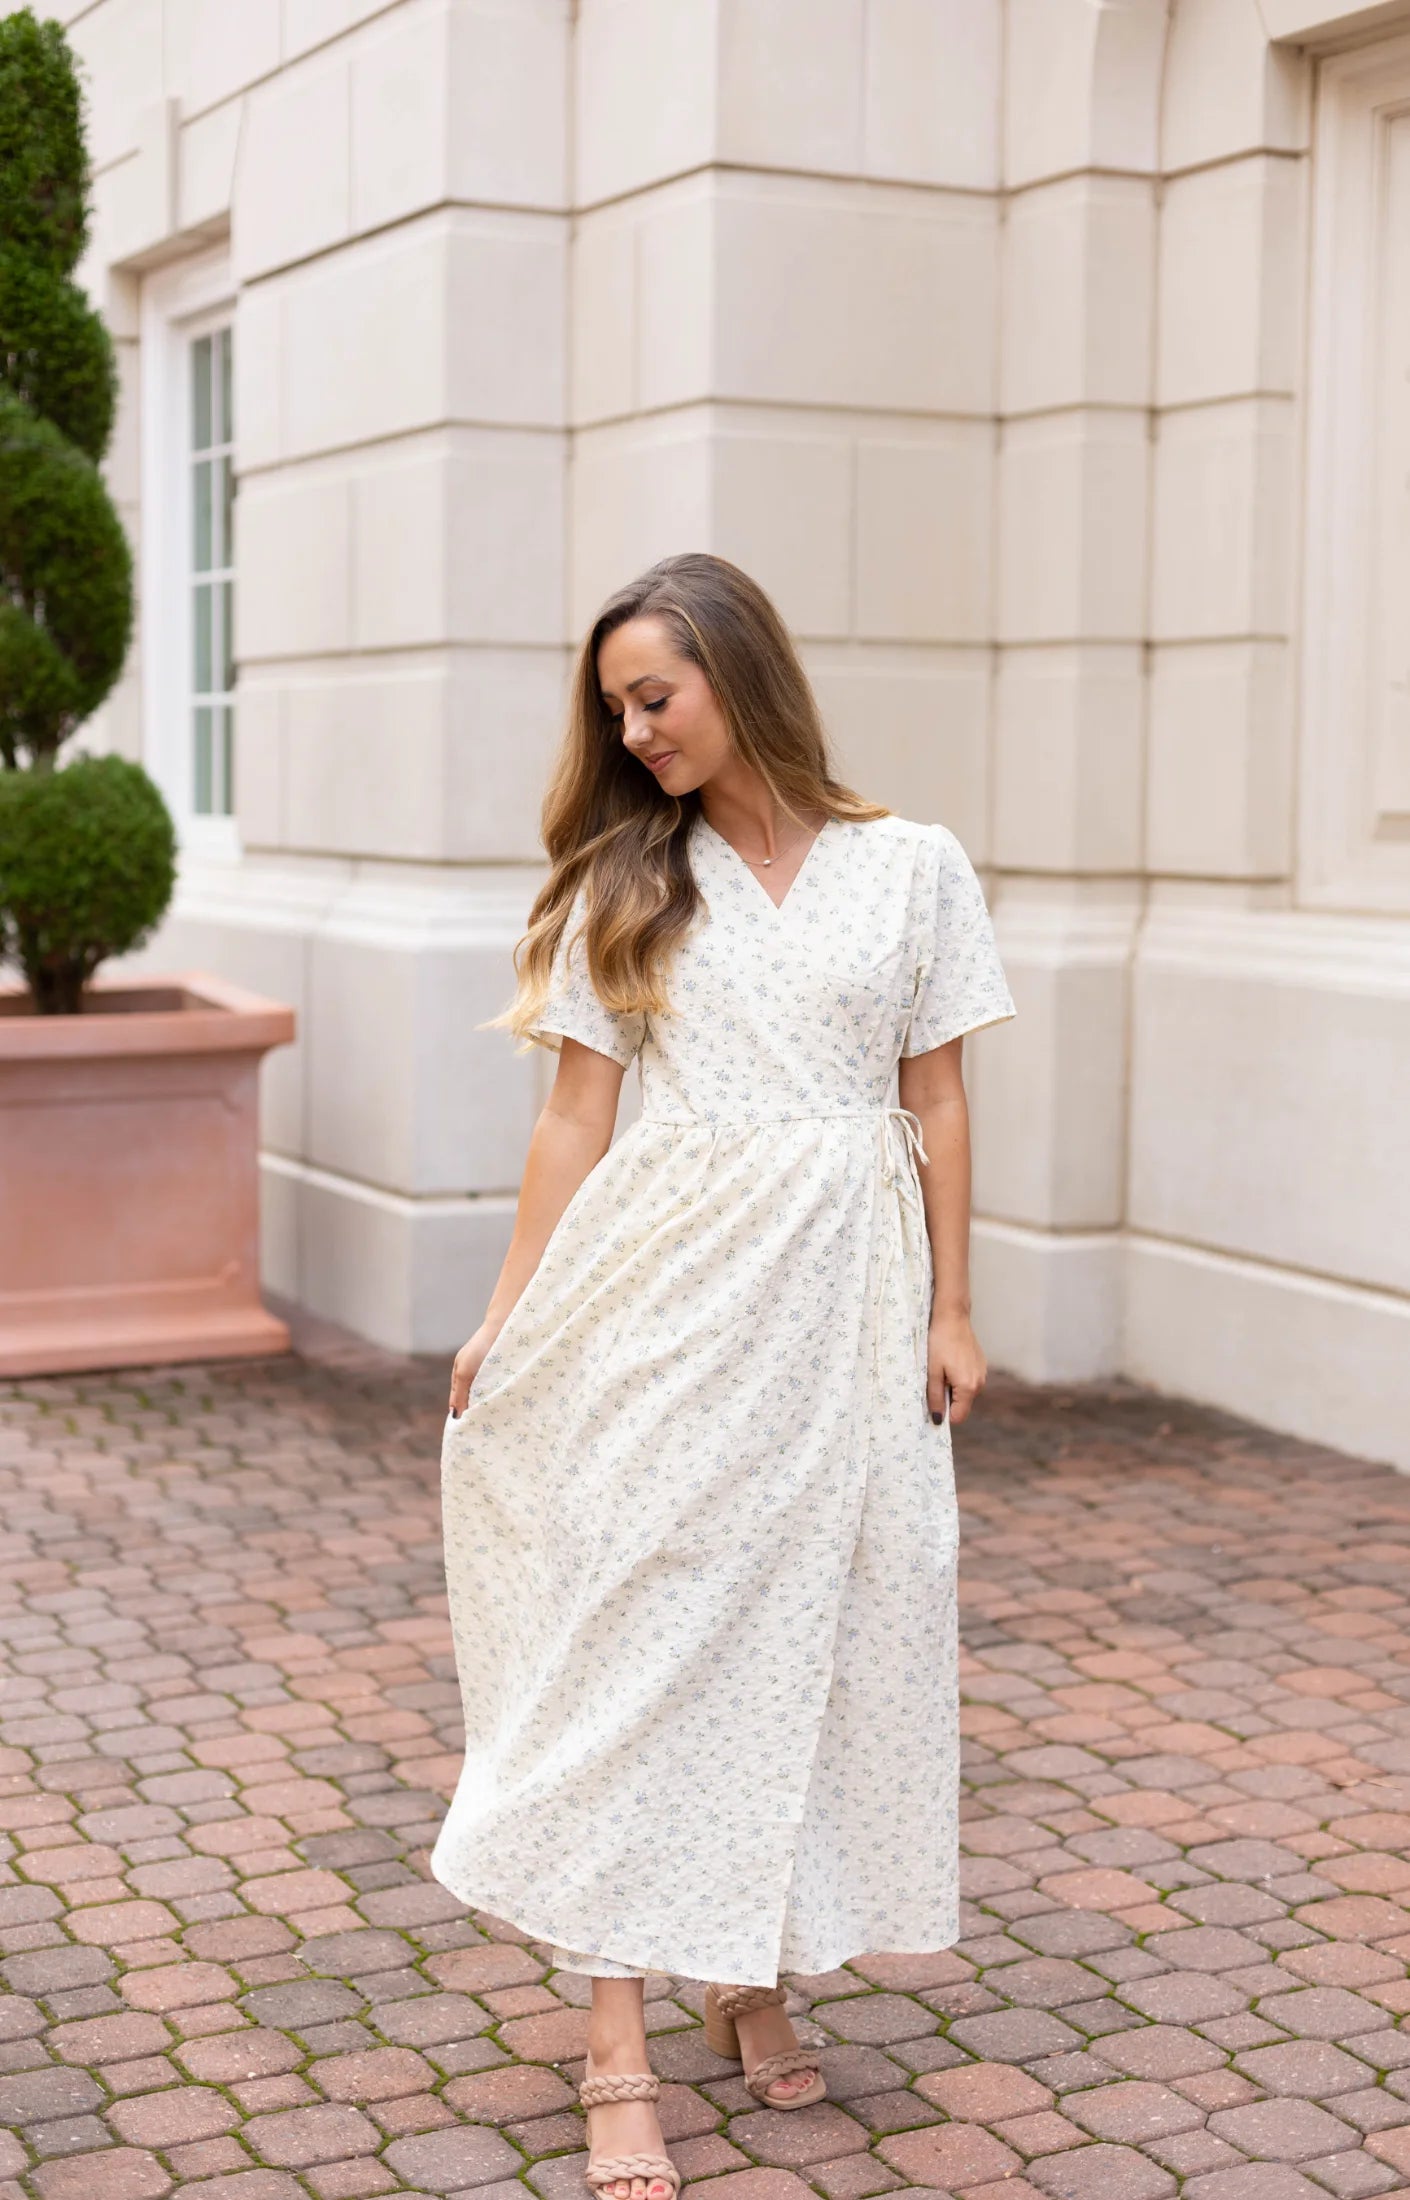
229 1728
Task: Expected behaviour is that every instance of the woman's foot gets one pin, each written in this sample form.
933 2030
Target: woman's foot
764 2032
617 2048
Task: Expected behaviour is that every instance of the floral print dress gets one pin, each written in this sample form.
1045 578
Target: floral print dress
701 1531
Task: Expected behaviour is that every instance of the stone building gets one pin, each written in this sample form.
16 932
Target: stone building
1046 359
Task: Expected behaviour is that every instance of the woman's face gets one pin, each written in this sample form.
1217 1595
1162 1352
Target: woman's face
666 709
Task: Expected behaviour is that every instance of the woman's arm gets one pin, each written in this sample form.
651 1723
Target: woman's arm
573 1132
932 1085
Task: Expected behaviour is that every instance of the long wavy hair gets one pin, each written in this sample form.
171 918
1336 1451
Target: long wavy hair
612 831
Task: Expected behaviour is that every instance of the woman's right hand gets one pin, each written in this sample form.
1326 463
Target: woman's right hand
466 1366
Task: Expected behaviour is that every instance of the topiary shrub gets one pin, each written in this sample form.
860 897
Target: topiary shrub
87 866
65 565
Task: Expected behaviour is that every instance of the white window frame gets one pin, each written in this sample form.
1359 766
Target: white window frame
179 303
1352 851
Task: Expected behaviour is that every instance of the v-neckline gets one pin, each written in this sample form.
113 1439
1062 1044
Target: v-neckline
777 907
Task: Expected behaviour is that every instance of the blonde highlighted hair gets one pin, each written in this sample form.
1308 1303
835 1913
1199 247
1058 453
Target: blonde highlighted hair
613 833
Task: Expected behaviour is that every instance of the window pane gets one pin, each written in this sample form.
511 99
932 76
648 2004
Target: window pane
227 643
225 550
201 394
201 554
201 653
226 433
203 760
227 760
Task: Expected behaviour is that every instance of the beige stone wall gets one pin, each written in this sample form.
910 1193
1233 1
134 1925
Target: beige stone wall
1040 357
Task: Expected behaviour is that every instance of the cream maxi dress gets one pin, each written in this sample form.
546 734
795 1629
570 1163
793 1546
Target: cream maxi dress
700 1528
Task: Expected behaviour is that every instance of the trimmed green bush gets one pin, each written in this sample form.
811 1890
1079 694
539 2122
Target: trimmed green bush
62 553
87 866
65 565
87 854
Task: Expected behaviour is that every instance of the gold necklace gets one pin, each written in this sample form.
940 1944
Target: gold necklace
757 863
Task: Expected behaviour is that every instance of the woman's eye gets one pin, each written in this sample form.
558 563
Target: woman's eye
657 706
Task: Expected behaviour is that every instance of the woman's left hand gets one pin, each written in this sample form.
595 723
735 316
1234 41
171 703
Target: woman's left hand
953 1358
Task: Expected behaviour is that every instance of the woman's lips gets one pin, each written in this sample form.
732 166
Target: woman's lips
659 763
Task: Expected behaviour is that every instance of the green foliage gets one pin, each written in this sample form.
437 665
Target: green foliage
65 586
87 867
65 567
55 353
43 161
87 854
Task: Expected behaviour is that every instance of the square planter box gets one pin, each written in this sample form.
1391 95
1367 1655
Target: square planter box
129 1148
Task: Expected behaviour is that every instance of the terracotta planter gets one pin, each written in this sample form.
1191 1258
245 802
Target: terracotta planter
129 1230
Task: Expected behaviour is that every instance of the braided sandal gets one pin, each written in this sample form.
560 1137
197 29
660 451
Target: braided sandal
722 2005
636 2085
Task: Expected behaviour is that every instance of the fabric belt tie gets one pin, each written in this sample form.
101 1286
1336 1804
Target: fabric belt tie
911 1125
915 1242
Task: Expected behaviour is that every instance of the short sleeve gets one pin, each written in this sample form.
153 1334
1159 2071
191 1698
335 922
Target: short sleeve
573 1010
960 983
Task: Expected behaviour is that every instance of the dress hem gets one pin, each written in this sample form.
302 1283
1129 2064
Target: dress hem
554 1938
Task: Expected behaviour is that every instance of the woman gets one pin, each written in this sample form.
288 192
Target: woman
699 1502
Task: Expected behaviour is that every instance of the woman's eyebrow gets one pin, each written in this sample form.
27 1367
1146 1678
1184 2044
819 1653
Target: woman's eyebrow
632 685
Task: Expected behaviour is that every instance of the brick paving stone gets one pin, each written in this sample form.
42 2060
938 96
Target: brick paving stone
177 1986
1355 2176
1161 2051
852 2072
233 2056
425 2112
1314 2070
555 2038
35 2096
1043 1982
353 2181
163 2120
108 2039
951 2156
877 2019
1322 2013
818 2133
247 2184
453 2160
1043 2133
1184 1997
470 1970
853 2177
1253 2181
1382 2050
1014 2035
1281 2130
506 2096
300 2136
432 2019
68 2136
301 2004
127 2174
1392 2146
760 2184
1101 2173
1132 2110
983 2093
1187 2153
887 2112
908 1974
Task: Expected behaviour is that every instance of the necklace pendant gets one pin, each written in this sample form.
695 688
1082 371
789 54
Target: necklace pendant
766 861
